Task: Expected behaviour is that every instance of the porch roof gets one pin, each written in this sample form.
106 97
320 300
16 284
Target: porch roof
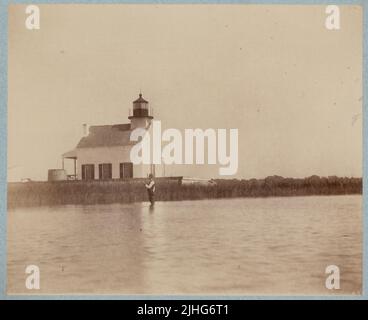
72 154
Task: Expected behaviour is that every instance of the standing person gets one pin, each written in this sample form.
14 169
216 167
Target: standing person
151 188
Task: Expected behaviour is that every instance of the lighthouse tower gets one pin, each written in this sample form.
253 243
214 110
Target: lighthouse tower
141 117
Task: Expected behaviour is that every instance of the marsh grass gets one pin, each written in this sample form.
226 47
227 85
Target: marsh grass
119 191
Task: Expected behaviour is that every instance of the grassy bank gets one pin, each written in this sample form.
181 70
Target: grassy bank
115 191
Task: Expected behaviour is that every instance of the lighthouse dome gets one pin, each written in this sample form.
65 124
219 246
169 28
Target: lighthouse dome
140 99
141 115
141 108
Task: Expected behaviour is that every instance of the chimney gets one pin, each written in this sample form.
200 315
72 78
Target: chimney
85 127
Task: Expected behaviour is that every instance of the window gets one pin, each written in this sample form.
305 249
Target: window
104 171
88 171
126 170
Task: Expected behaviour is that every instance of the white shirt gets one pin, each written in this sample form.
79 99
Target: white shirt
151 185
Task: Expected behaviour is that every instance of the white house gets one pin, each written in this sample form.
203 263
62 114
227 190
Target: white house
105 152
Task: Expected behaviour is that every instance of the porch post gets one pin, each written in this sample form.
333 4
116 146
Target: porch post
75 168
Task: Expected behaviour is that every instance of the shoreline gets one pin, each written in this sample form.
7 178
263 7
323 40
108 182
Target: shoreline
44 193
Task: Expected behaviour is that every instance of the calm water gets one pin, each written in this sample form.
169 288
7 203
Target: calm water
232 246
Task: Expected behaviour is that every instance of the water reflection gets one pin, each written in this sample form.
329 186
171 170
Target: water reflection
151 208
232 246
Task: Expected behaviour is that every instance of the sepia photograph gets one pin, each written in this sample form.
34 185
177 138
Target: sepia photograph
185 149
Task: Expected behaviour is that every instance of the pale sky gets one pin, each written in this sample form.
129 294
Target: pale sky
291 87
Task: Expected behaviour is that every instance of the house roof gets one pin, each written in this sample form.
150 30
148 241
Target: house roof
107 136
